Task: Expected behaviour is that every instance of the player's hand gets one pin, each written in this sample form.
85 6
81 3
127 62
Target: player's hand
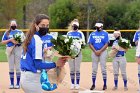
61 61
138 60
13 41
98 53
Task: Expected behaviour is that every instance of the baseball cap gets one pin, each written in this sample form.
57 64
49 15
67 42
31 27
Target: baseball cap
98 24
76 23
13 22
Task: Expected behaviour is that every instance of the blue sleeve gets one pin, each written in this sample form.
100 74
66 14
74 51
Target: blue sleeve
4 37
90 39
107 38
135 37
39 64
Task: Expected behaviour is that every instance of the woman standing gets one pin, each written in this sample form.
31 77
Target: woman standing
13 51
75 63
32 57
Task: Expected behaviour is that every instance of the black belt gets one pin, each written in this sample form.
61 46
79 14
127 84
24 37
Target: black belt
24 70
18 45
119 55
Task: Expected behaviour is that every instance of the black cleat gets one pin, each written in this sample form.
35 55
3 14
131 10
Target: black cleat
92 87
104 87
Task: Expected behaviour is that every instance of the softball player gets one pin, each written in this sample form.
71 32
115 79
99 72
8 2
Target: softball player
98 42
13 51
119 61
32 57
136 40
75 63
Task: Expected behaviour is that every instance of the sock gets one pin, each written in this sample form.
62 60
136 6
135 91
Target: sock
77 78
125 83
93 78
104 78
72 75
116 83
11 77
116 80
18 74
139 78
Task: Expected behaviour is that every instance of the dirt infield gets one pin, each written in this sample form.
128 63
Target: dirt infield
85 83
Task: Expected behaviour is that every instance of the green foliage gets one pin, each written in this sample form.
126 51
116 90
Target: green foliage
61 13
124 43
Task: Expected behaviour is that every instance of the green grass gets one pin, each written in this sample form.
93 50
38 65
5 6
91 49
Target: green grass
130 55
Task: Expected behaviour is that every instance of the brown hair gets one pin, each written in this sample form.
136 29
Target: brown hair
32 30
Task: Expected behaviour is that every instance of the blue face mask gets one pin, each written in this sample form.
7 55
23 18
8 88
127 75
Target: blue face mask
43 30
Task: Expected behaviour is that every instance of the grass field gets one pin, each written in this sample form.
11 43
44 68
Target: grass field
130 55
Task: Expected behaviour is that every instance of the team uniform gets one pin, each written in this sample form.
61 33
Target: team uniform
98 40
135 39
13 53
47 44
119 61
31 65
75 63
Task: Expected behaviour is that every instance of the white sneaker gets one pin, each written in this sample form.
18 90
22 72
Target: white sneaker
72 86
17 87
11 87
77 86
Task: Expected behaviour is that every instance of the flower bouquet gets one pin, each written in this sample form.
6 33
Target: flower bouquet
19 37
123 45
67 46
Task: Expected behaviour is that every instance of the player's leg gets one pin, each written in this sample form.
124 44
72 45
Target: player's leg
78 61
72 72
139 73
116 72
30 82
123 71
17 52
94 69
103 58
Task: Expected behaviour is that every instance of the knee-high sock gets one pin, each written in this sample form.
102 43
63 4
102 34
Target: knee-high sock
77 77
11 74
93 78
72 75
116 80
18 74
139 78
124 79
104 78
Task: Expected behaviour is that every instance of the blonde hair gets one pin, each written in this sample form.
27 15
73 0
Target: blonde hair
70 25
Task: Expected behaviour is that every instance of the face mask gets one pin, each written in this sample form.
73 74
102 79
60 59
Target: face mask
43 30
98 28
75 27
13 27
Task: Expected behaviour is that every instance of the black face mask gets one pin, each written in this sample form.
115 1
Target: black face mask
118 38
13 27
43 31
75 27
98 28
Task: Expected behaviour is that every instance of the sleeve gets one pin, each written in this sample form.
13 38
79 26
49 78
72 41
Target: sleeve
51 44
83 37
107 38
4 37
90 39
138 49
135 37
39 64
37 47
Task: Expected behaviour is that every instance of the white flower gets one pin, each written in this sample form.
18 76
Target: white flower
66 40
124 40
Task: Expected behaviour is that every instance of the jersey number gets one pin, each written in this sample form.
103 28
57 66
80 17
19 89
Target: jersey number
97 40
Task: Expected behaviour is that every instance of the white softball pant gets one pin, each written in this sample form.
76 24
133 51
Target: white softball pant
74 64
119 62
30 82
14 57
99 59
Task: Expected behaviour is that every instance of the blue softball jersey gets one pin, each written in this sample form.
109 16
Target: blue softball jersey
136 36
32 59
98 39
47 41
6 36
76 34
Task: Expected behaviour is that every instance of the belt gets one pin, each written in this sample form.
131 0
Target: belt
119 55
18 45
24 70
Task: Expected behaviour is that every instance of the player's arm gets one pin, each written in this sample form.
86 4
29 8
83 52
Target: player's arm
92 47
